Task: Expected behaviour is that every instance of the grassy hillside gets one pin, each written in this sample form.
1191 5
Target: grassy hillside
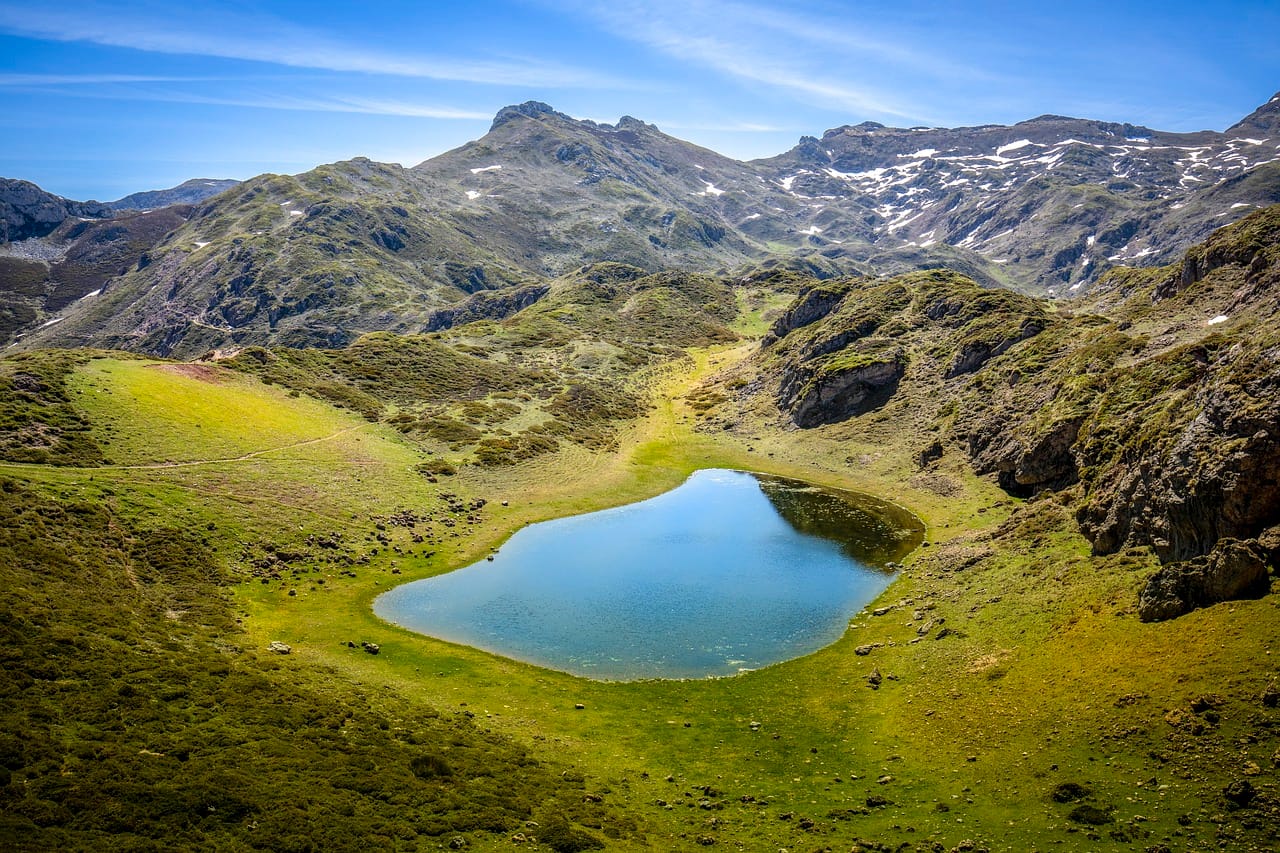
271 535
167 523
139 714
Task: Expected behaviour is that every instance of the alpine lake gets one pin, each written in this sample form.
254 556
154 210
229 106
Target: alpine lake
729 572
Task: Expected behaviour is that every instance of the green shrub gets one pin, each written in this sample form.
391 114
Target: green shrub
560 836
430 766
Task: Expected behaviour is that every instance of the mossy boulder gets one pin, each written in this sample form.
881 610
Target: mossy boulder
1232 570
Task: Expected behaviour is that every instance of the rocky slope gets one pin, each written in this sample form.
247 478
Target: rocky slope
42 276
1163 405
1154 405
1045 206
54 252
1055 201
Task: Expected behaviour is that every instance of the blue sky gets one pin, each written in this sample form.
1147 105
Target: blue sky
100 99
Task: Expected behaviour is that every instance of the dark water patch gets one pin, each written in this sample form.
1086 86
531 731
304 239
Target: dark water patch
869 530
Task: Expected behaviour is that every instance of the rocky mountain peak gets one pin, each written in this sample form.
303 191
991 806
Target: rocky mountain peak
866 127
192 191
631 123
810 150
529 109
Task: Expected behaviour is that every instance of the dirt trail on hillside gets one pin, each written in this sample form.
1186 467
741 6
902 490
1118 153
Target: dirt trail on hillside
150 466
155 466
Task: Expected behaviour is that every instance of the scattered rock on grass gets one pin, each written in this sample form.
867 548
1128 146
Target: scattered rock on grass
1239 794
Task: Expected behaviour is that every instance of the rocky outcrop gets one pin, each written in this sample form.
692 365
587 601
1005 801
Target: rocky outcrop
1218 476
1026 465
842 346
973 354
838 393
810 307
529 109
486 305
1253 246
1170 425
27 211
1233 570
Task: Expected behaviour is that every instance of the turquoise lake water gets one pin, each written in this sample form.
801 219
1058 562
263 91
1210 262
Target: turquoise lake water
729 572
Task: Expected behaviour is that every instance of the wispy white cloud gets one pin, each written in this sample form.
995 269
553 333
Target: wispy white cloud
84 79
811 83
401 108
830 63
848 34
363 106
262 38
268 101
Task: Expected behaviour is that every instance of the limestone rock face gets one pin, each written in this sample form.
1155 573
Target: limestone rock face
28 211
842 347
1218 477
840 394
973 354
809 308
1021 470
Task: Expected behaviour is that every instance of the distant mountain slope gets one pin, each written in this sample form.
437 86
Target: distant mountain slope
1044 206
1055 201
54 252
42 276
193 191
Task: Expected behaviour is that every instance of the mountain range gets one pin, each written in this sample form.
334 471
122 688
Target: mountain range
1044 206
379 374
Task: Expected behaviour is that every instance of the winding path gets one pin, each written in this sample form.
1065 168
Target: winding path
155 466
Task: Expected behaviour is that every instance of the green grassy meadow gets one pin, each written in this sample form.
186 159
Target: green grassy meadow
1018 704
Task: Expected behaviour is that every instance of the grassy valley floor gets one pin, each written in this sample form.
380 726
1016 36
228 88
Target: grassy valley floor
1001 694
